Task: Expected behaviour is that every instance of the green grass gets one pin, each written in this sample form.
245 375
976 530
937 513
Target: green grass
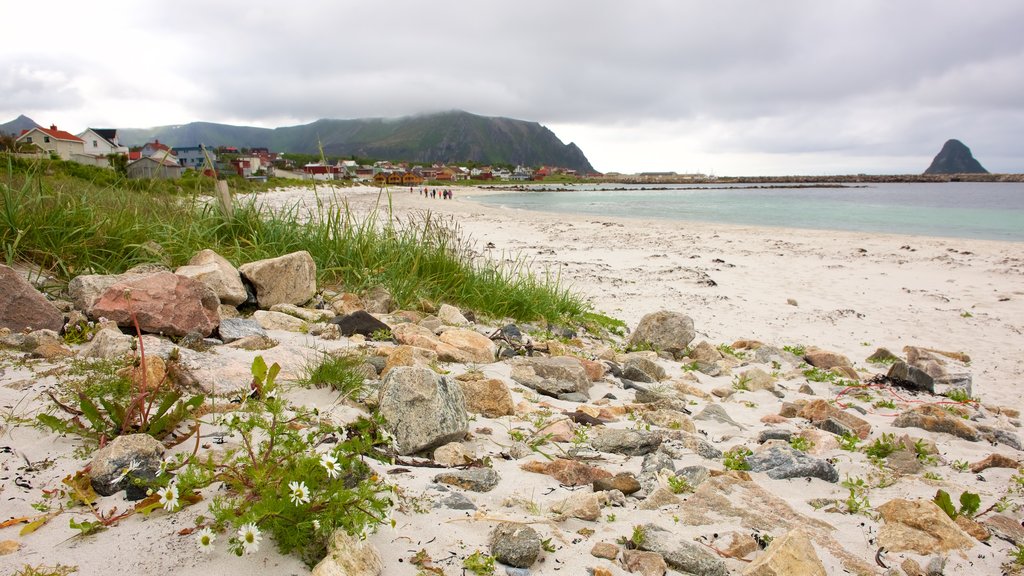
69 220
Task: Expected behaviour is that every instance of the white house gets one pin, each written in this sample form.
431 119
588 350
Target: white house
54 141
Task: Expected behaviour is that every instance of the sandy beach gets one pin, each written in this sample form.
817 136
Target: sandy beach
846 292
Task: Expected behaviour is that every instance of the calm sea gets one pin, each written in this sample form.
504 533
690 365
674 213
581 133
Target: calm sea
993 211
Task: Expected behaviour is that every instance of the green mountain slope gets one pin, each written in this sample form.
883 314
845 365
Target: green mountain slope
444 137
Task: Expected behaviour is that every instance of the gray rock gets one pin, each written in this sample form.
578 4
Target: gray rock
911 378
22 307
680 553
631 372
422 408
686 444
717 412
445 498
656 462
378 300
269 320
473 479
86 289
232 329
360 322
108 344
130 462
579 397
551 376
773 434
664 330
628 442
1001 436
640 364
288 279
516 545
769 354
781 462
695 475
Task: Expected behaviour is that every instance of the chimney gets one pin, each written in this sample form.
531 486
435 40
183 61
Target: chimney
53 127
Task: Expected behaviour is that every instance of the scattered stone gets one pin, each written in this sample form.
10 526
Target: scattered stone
659 497
970 526
130 462
163 303
826 359
934 419
346 303
288 279
670 419
717 413
805 388
9 547
680 446
568 472
451 316
1000 436
946 376
841 422
582 505
628 442
359 322
882 356
279 321
232 329
253 343
642 369
473 479
550 376
663 330
911 378
108 344
1006 528
774 434
490 397
624 482
514 544
994 461
736 545
792 553
681 553
919 526
22 307
422 409
781 462
378 300
310 315
452 454
469 347
445 498
349 556
606 550
904 462
216 272
644 563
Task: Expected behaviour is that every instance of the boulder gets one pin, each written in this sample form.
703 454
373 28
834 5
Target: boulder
642 369
422 409
628 442
452 454
664 330
269 320
568 472
130 462
216 272
934 419
349 556
681 553
516 545
470 347
826 359
624 482
288 279
311 315
163 303
781 462
757 379
347 303
232 329
472 479
360 322
911 378
451 316
108 344
671 419
86 289
22 307
644 563
488 396
946 373
409 356
378 300
792 553
551 376
919 526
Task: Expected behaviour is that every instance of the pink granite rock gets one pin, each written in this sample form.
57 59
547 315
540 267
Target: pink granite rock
163 303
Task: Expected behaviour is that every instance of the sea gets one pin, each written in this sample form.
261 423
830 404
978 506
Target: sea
982 210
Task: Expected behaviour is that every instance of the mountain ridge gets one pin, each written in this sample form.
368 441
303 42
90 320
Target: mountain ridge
448 137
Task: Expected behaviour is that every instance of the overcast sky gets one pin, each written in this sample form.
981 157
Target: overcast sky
747 87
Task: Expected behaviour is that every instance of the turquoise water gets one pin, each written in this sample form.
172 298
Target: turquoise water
992 211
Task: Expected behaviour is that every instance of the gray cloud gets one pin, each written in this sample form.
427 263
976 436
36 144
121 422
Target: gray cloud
790 77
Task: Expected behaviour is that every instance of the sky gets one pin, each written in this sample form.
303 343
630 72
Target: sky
730 88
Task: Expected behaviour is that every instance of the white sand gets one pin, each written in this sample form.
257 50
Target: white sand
854 292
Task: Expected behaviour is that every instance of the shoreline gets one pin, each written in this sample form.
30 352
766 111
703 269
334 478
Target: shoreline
854 291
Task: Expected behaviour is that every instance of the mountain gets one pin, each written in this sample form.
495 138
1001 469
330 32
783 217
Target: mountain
955 158
443 137
14 127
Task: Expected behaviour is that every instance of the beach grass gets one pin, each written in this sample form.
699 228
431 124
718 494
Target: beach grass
66 220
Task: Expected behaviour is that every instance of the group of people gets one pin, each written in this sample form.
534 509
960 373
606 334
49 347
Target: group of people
445 194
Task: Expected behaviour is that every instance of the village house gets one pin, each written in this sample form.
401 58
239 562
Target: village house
157 148
195 157
155 167
54 141
102 142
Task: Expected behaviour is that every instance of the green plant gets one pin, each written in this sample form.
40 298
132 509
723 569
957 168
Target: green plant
741 382
340 373
849 441
961 465
814 374
857 501
736 458
966 314
581 435
882 447
636 538
1017 555
800 443
41 570
80 332
679 484
960 395
547 545
479 563
610 517
969 504
932 476
885 404
600 324
922 452
797 351
382 335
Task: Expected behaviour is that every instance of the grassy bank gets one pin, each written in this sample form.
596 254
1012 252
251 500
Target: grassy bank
68 220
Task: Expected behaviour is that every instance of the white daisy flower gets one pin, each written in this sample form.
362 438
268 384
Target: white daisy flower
132 467
299 493
249 535
330 463
204 539
168 497
316 524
